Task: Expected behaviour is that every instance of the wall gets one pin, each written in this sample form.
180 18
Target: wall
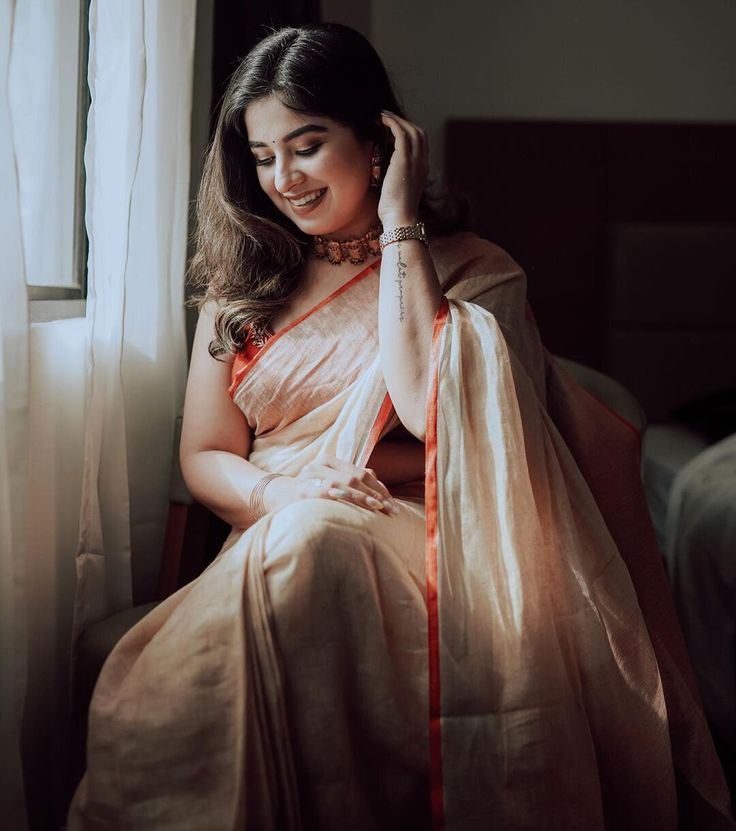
348 12
571 59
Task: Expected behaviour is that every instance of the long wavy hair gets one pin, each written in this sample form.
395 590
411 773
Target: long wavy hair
248 257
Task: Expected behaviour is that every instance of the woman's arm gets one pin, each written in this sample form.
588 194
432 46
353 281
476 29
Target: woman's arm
216 440
410 293
409 298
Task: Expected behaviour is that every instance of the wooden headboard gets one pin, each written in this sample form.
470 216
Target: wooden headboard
586 208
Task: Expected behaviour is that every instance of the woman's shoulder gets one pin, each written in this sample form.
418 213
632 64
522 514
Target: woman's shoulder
463 254
206 328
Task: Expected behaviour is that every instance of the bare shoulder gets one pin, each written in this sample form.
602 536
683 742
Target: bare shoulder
206 320
204 335
211 419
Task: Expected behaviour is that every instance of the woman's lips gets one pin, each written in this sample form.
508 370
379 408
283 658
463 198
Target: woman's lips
307 202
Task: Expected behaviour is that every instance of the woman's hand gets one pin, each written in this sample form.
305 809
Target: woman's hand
406 176
332 478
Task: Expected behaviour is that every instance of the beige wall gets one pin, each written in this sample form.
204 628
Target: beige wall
355 13
567 59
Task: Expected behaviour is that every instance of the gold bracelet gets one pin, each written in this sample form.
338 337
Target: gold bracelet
257 505
416 231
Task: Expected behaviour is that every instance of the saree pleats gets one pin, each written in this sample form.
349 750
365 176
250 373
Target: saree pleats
351 626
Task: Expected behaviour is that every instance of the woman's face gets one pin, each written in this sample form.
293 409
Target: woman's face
314 170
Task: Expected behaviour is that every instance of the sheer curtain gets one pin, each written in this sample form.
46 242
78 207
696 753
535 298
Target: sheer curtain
13 454
137 163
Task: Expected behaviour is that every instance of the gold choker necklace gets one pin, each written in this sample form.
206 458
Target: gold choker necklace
355 250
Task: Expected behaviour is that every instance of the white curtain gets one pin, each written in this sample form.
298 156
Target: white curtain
137 164
13 454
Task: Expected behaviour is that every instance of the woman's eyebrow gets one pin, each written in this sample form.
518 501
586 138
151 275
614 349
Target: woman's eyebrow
307 128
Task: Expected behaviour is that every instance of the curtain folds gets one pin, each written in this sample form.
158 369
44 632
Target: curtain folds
137 164
13 453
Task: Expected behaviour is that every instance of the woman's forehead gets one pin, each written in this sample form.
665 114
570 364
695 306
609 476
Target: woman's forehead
269 121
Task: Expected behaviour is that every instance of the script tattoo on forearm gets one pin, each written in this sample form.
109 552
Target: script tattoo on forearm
400 283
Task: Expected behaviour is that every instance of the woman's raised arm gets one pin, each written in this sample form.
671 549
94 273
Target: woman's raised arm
410 293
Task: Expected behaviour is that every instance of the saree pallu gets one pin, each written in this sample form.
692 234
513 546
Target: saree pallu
502 654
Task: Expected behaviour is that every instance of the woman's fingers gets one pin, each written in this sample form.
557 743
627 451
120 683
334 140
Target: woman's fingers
360 497
407 132
406 175
374 482
339 475
361 478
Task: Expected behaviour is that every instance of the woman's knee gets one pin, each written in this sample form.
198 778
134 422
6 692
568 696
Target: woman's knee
312 535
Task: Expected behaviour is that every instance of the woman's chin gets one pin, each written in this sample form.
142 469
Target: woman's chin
314 226
321 224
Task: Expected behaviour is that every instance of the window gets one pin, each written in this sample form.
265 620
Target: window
49 103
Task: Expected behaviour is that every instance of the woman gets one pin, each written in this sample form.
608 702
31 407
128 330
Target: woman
421 618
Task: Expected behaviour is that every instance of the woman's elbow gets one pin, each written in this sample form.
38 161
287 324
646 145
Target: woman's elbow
414 422
188 466
411 406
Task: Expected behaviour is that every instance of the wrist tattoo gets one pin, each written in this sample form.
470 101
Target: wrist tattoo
400 283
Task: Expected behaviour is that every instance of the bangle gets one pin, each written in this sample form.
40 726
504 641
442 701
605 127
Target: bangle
416 231
257 505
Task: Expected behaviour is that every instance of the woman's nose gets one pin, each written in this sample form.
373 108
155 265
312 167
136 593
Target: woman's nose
287 175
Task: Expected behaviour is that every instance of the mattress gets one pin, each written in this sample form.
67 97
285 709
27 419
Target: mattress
666 449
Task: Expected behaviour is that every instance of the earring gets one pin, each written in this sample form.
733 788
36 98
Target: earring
376 170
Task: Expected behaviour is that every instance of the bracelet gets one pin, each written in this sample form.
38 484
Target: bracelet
257 505
416 231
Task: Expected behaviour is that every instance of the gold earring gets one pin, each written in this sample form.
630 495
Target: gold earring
376 170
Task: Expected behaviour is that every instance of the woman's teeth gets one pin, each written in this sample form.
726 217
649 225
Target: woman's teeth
307 200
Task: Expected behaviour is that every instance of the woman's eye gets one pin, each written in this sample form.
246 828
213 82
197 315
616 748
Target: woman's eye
310 151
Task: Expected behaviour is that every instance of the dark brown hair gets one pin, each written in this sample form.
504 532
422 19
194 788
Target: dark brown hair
248 256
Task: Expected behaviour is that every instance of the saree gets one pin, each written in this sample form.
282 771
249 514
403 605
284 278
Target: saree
502 653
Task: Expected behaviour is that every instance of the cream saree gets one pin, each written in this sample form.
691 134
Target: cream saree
502 654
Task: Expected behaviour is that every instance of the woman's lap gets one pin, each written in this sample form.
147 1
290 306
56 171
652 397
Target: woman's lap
302 646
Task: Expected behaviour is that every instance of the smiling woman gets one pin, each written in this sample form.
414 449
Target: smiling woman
315 174
429 612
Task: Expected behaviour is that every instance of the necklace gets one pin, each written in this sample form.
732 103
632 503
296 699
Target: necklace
356 250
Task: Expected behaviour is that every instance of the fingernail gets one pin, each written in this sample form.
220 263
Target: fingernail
391 506
374 503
